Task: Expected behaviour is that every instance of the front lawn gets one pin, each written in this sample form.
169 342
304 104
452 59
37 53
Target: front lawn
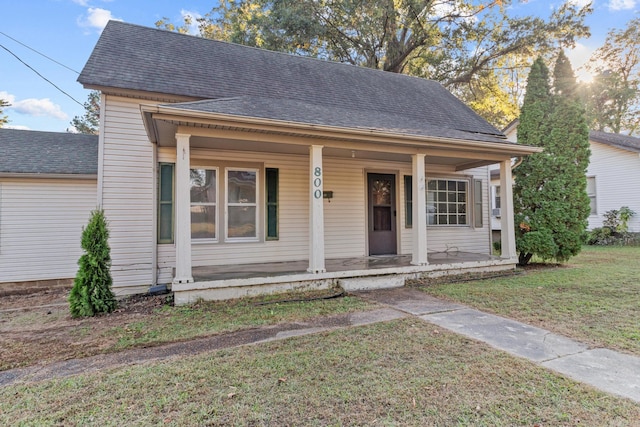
46 334
404 372
594 298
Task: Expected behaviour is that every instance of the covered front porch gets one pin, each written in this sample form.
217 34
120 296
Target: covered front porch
311 243
358 273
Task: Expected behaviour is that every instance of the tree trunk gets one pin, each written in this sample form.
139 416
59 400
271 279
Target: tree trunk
524 258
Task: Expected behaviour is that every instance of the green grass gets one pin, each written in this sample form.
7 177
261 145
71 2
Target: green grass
403 372
34 337
170 324
594 298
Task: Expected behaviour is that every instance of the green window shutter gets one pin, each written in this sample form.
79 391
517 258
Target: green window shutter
408 201
272 203
477 203
165 203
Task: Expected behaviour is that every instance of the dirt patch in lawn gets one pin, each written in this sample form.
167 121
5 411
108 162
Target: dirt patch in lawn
37 327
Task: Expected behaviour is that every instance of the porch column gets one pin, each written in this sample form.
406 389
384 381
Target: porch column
316 211
183 211
507 235
419 211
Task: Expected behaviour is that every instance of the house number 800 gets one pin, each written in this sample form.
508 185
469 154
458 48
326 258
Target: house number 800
317 172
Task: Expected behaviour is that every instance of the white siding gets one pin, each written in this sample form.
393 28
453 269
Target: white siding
617 174
128 193
292 243
128 201
344 215
41 224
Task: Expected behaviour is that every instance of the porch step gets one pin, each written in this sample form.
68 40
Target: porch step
372 282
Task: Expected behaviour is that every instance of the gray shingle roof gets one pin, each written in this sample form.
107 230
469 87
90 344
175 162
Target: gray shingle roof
621 141
131 57
303 112
34 152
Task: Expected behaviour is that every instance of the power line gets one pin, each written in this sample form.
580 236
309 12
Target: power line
39 53
41 76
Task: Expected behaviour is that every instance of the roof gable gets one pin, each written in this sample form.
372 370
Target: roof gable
34 152
137 58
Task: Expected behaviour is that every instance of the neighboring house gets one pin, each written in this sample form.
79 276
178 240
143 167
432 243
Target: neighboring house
47 191
613 177
227 170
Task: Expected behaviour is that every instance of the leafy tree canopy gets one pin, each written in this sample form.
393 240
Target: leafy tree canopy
613 98
3 119
459 43
89 123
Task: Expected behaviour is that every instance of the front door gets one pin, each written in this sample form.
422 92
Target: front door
382 213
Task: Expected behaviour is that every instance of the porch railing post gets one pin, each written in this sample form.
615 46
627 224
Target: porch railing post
507 235
316 211
419 211
183 211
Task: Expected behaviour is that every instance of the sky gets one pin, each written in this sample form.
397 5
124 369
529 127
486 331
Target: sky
67 30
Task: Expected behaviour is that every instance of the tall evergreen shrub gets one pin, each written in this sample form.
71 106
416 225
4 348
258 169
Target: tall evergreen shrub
550 200
91 293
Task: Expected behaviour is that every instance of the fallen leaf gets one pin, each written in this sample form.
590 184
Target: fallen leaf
281 380
230 395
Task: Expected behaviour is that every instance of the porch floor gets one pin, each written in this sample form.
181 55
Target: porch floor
273 269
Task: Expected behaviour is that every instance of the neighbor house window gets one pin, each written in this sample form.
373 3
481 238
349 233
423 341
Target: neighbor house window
165 203
591 192
447 202
204 202
242 206
495 201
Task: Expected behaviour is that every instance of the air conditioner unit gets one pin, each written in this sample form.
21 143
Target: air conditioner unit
495 212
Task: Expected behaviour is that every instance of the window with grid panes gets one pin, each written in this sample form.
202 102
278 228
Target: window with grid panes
447 202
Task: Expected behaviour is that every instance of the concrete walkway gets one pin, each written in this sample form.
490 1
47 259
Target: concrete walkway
604 369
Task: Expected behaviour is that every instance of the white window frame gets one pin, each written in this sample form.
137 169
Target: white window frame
468 203
216 204
495 198
255 204
593 196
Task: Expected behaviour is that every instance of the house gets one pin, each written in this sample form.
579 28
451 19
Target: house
613 177
227 170
47 191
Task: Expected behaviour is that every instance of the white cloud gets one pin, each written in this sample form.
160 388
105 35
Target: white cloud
81 2
43 107
7 97
193 28
622 4
18 127
580 3
96 18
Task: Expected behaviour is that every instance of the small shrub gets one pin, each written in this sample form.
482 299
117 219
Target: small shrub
615 230
625 215
91 293
600 236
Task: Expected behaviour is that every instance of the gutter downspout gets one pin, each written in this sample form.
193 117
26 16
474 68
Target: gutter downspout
154 222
